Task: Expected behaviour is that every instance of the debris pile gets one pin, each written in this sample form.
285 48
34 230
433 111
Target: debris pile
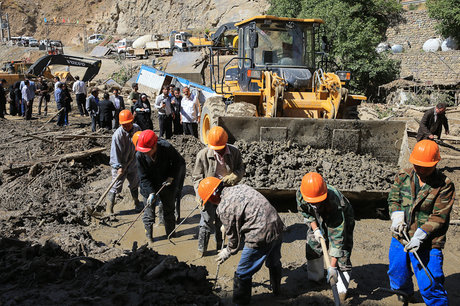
188 146
45 275
279 165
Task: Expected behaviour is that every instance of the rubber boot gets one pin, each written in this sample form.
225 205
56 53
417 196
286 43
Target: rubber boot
275 279
169 227
315 268
241 291
110 203
203 240
137 204
149 232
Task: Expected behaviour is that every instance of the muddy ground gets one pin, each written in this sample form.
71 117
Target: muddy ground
45 204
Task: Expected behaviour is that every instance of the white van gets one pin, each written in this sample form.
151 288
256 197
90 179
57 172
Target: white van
95 38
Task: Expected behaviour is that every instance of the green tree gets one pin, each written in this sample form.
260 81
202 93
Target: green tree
447 12
354 28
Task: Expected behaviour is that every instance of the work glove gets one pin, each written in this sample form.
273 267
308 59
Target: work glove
318 235
223 256
416 241
150 199
398 226
332 273
230 179
169 181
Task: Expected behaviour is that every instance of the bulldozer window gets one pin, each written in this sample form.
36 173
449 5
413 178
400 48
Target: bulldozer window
284 44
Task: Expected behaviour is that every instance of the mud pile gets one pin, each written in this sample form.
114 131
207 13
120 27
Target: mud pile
46 275
188 146
42 199
279 165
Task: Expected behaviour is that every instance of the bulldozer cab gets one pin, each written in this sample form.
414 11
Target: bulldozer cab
274 43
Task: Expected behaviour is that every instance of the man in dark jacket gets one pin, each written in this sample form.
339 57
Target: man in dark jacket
157 162
92 106
176 105
105 112
2 98
43 95
119 104
59 98
432 122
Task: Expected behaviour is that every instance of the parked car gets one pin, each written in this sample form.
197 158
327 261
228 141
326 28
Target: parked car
33 42
95 38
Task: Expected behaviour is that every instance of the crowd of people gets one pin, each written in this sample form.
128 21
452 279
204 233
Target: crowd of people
177 114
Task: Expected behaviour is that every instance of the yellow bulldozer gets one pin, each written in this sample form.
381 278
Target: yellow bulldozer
276 89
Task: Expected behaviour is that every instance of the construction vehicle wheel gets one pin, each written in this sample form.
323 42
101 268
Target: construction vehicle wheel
351 112
241 109
212 109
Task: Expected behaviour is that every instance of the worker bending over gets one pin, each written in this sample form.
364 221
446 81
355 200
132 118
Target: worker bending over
246 214
329 216
158 162
420 202
122 161
223 161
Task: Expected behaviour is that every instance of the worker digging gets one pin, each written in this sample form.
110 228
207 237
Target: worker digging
223 161
245 135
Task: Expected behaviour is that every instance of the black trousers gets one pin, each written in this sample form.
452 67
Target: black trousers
81 103
178 130
190 129
165 125
106 124
61 116
28 109
167 197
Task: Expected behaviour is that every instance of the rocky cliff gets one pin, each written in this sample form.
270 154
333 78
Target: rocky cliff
125 17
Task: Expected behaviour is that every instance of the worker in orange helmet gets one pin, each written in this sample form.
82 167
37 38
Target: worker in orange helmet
136 137
122 161
420 203
329 216
246 216
223 161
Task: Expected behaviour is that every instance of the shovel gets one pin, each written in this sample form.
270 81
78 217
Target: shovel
166 183
174 230
327 261
92 209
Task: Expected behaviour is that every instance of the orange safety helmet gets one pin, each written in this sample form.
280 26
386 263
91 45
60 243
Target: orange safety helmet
313 188
217 138
146 141
136 137
125 117
207 187
425 153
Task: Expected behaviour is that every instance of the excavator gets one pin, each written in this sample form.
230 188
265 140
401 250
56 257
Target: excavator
40 67
277 88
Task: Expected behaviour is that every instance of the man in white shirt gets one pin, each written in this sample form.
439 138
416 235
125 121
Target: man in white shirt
190 113
79 89
165 112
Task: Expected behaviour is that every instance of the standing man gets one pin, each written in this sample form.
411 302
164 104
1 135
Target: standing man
165 112
26 100
420 203
2 98
432 122
122 161
18 97
176 105
106 109
119 104
190 113
248 216
57 81
223 161
134 95
92 106
157 162
43 95
79 89
60 104
329 216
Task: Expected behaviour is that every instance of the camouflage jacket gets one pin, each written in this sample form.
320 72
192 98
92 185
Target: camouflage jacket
245 212
429 210
336 219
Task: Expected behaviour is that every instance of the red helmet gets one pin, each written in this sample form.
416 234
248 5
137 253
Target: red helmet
146 141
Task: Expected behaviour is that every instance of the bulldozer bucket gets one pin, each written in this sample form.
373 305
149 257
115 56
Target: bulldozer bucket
384 140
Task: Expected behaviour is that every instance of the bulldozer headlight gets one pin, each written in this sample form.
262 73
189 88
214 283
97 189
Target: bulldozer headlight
344 76
254 74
